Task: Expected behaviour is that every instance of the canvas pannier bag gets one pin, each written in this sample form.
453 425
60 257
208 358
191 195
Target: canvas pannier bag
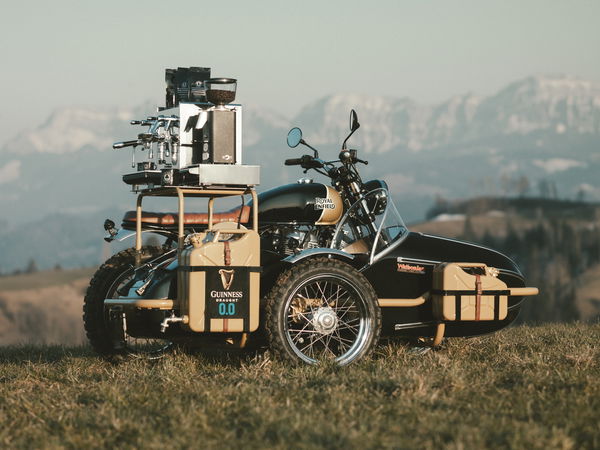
468 291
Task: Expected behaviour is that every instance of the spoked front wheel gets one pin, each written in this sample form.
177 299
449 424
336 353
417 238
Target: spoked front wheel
322 309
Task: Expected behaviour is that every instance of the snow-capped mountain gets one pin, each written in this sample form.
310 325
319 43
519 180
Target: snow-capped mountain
545 128
70 129
387 123
556 105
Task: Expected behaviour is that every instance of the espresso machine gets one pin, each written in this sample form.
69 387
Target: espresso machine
195 139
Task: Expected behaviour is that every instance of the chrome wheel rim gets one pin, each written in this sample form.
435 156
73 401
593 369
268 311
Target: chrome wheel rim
327 318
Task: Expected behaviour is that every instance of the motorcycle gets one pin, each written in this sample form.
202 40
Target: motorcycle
322 270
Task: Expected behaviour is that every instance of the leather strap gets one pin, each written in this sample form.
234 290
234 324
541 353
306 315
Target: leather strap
227 253
478 297
227 258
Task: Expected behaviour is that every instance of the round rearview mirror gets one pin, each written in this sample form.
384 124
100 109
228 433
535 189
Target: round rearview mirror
354 125
294 137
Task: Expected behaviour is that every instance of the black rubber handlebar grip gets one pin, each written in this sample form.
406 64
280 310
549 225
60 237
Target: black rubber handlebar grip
293 162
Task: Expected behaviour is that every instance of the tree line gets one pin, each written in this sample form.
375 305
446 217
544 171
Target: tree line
552 255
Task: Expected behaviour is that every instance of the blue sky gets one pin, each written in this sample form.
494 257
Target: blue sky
285 54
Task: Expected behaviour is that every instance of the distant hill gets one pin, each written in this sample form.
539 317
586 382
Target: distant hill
43 307
531 207
538 134
67 239
495 215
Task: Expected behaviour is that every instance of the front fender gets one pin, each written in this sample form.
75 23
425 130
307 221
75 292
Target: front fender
119 236
312 252
123 234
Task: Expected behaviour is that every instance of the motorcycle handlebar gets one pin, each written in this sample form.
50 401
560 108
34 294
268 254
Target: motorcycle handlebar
306 161
293 162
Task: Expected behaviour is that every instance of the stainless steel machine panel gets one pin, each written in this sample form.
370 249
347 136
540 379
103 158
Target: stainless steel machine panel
226 174
221 145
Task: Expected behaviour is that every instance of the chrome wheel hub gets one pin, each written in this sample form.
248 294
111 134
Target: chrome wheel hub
325 320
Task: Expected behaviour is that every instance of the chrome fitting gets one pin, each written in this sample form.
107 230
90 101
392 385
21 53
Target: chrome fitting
171 319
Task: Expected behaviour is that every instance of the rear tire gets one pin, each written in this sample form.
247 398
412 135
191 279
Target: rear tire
99 327
322 309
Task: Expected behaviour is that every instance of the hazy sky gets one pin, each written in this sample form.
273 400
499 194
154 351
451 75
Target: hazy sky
283 53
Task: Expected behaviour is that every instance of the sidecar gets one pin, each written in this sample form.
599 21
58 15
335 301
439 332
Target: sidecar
426 286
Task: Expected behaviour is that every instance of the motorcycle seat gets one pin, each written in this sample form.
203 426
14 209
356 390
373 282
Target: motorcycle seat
168 219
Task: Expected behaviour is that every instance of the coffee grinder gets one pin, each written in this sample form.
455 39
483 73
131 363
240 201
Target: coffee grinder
219 131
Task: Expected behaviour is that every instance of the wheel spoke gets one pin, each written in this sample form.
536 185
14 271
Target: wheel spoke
330 351
337 294
329 316
348 322
343 343
341 339
347 311
313 341
305 331
353 330
345 302
321 292
301 315
328 341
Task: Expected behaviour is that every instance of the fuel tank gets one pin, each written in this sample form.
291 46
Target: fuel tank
300 203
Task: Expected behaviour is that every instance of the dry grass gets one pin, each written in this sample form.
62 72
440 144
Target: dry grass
44 279
525 387
588 293
46 310
49 315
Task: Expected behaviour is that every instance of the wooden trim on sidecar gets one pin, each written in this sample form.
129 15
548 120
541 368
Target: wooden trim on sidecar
401 302
411 302
143 303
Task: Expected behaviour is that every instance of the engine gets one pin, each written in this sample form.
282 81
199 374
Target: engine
289 239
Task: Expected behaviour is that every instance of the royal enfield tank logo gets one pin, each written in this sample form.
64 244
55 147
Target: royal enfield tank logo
226 278
324 203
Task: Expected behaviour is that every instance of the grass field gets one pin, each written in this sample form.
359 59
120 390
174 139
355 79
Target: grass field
43 279
43 307
525 387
